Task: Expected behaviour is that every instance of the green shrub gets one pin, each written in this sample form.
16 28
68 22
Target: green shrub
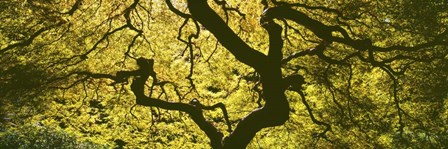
41 138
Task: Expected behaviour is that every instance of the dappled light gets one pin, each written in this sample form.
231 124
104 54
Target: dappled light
223 74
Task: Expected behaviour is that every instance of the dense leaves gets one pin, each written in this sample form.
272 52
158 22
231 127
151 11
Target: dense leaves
41 137
225 73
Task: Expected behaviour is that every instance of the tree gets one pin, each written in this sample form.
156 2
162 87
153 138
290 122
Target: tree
358 69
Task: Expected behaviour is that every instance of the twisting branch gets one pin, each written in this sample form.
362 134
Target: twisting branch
127 16
110 32
198 104
226 8
275 38
325 32
396 100
318 28
138 84
326 9
28 41
294 83
310 111
202 13
188 42
194 108
276 109
74 8
190 48
104 37
176 11
317 50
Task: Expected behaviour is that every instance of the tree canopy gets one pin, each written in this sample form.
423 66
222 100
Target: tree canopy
227 73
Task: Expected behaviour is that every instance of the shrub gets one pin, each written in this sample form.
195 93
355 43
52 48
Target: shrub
41 137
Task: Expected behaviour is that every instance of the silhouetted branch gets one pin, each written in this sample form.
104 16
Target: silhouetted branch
176 11
396 100
275 39
28 41
74 8
127 16
202 13
138 84
325 32
310 111
197 104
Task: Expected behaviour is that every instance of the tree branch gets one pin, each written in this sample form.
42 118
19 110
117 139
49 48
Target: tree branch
325 32
138 84
275 39
176 11
74 8
318 28
202 13
197 104
30 40
276 110
310 111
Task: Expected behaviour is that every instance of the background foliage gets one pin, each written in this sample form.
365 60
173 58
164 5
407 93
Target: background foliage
397 99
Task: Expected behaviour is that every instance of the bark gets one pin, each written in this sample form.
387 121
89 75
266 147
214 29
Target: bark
276 110
138 87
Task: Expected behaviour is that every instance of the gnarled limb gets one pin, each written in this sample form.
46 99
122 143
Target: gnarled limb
276 110
294 83
220 105
193 109
74 8
325 31
30 40
138 85
202 13
318 28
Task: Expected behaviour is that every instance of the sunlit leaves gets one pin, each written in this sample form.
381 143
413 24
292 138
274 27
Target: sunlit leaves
357 97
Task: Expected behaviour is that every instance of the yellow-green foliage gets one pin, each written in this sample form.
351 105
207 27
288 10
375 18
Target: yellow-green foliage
365 106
